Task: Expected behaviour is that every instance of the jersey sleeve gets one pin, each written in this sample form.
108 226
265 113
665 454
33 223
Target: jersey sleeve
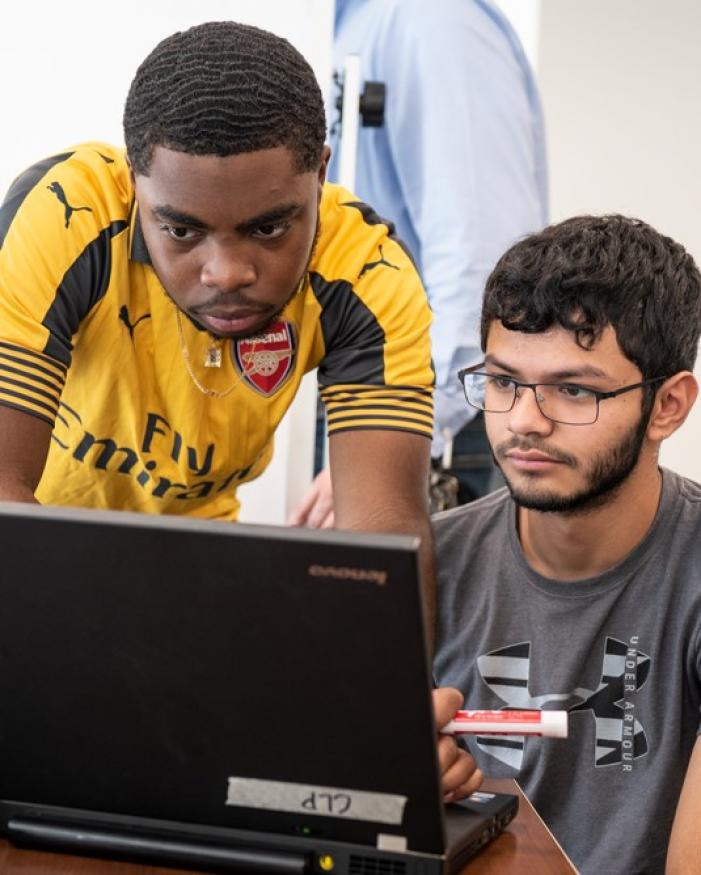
376 372
56 225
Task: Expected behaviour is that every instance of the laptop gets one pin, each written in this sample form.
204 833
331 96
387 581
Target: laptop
221 696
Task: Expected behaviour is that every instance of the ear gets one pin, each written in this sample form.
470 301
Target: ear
323 166
132 175
673 401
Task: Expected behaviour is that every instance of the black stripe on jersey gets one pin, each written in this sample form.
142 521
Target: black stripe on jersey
26 410
82 286
21 187
334 420
353 338
370 217
74 413
32 361
30 383
375 403
29 399
373 391
421 432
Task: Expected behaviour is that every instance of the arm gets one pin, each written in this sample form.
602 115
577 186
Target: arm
380 484
46 288
24 444
459 774
684 852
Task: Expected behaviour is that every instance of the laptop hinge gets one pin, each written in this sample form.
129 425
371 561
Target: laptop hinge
88 840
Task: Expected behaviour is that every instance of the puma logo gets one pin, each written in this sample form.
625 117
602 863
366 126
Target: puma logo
372 264
57 189
124 317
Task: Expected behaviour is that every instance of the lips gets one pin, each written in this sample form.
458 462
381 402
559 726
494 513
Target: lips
531 461
232 323
529 456
232 315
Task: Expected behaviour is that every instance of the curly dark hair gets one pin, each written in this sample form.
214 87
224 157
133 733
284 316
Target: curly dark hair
224 88
592 271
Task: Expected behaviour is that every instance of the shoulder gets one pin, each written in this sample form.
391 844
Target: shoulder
354 240
685 494
471 526
91 178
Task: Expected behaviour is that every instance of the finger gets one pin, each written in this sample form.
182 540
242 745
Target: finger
300 513
322 508
462 777
466 788
448 753
446 701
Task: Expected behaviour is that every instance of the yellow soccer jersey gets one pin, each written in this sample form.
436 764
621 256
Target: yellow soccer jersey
89 342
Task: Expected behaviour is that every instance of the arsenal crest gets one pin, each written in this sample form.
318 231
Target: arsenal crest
265 361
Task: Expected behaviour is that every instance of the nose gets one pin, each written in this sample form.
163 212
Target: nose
227 269
525 416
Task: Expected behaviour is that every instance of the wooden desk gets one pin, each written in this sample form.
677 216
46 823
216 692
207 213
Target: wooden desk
526 848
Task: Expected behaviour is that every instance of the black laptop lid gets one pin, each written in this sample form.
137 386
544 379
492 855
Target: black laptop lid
167 668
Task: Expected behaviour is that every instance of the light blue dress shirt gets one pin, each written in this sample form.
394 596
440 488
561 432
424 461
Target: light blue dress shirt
459 165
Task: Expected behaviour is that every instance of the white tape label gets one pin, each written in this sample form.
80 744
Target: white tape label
308 799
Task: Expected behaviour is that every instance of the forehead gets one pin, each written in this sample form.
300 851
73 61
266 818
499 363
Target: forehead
226 189
556 351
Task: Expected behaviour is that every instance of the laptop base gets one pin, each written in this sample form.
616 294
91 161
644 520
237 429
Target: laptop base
220 849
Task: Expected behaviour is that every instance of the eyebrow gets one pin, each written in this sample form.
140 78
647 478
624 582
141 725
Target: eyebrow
581 372
269 217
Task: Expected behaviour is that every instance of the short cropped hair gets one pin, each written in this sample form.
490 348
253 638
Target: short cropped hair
224 88
592 271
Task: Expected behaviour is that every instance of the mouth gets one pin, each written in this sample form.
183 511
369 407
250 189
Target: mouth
531 460
233 322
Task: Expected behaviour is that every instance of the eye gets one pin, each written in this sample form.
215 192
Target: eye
180 233
575 393
501 384
271 231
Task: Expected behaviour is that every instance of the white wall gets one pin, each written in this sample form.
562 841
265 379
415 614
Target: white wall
620 82
66 69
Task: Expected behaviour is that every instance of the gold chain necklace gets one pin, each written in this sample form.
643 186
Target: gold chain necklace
212 359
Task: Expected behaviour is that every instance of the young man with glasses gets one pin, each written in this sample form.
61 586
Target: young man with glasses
578 587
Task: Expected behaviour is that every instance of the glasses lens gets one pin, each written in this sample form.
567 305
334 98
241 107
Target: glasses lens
493 394
571 405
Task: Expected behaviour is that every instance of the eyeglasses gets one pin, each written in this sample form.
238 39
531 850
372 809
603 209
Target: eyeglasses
566 403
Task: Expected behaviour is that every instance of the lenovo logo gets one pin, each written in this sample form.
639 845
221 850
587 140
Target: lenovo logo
343 573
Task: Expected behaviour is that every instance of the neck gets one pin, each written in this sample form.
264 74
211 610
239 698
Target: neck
579 545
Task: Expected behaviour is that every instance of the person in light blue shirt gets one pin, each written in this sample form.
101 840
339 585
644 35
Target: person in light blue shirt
458 166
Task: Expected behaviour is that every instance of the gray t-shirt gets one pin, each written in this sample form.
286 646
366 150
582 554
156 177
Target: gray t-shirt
621 652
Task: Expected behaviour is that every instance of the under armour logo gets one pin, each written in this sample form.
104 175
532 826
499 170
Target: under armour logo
372 264
620 737
57 189
124 317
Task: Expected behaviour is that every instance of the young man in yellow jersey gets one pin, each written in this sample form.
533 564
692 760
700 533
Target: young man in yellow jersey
160 305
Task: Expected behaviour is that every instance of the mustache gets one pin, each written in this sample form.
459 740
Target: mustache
539 446
232 300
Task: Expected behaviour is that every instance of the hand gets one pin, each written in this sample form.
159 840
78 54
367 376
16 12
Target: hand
459 773
315 510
